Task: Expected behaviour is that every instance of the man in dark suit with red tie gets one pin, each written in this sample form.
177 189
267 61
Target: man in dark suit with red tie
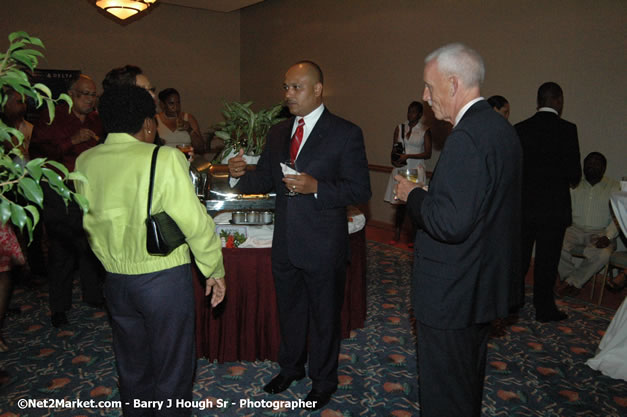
310 242
551 166
467 256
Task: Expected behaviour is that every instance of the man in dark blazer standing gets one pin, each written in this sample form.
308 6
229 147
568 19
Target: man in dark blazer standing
550 167
467 256
310 242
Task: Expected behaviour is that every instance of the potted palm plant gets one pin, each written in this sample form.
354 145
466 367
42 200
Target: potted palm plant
243 128
21 196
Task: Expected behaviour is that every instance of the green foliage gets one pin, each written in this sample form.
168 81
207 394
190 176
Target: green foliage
21 196
233 239
243 128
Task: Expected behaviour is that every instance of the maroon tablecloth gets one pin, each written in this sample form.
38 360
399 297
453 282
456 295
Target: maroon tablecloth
245 326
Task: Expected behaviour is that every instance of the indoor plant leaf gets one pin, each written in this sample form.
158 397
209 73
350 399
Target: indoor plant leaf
31 191
18 215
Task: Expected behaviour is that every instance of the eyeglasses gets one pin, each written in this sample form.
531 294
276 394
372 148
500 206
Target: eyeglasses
85 93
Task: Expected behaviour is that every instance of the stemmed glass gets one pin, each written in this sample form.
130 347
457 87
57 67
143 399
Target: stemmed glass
409 174
292 165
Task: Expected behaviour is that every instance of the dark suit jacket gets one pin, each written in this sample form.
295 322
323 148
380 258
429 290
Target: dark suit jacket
551 164
467 258
310 231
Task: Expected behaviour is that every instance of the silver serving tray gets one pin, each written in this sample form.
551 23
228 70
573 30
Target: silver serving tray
245 223
241 204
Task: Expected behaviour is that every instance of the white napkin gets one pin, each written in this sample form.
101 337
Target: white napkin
259 237
358 222
287 170
223 218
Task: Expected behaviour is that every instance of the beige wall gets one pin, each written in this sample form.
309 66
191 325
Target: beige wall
372 54
193 50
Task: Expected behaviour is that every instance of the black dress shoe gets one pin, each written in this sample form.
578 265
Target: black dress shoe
315 400
58 319
551 316
280 383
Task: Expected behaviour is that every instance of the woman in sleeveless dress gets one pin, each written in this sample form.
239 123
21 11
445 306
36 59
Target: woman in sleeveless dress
175 127
416 140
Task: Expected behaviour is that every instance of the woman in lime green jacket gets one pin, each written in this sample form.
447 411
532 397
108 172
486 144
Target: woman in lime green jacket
150 298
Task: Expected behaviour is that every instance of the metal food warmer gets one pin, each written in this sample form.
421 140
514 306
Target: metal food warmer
212 187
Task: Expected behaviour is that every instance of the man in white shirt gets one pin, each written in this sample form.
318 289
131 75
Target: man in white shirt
592 226
310 241
467 251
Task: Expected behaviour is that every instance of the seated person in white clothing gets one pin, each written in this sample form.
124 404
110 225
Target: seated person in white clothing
592 226
176 127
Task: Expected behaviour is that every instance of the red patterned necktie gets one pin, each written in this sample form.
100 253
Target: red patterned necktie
297 139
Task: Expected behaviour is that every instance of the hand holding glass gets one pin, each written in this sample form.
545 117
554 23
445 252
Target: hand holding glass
291 165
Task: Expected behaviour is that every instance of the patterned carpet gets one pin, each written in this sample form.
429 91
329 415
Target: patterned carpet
533 369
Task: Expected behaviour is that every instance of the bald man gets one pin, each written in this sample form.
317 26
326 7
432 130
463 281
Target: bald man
310 242
70 134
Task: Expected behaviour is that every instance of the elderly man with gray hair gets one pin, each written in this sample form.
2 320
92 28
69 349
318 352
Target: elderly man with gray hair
467 256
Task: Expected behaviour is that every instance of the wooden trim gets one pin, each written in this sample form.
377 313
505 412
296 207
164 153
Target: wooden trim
372 167
388 169
379 168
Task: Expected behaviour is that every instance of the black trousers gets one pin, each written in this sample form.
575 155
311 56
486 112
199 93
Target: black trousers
548 239
451 368
309 305
68 248
152 318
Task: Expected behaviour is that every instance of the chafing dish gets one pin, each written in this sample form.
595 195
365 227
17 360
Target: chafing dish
220 197
252 217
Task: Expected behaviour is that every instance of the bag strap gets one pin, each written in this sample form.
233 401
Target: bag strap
402 141
153 163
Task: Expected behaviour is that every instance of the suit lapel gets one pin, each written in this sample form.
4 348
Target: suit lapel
286 137
315 138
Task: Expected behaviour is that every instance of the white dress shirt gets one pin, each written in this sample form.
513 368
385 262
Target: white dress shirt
590 205
549 109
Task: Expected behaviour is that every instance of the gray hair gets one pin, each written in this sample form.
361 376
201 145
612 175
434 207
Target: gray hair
461 61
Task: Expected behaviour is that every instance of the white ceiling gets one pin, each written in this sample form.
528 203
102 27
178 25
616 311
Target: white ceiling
213 5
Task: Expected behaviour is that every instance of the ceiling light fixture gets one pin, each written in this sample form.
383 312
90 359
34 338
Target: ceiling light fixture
123 9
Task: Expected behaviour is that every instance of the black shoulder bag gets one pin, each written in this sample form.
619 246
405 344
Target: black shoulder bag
398 149
163 234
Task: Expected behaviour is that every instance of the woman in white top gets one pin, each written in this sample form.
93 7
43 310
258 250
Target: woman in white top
416 140
177 128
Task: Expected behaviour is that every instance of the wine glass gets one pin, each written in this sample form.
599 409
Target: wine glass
292 165
410 174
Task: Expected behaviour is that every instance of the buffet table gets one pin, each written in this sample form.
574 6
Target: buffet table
245 326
